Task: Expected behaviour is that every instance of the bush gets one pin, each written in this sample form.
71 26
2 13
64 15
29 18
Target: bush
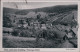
25 33
47 34
15 33
50 34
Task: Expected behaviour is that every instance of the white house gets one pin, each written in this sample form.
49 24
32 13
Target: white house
25 25
69 35
43 26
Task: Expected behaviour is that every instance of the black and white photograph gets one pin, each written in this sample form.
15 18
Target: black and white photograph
40 25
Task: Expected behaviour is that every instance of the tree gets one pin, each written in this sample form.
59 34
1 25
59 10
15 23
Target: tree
38 16
21 22
28 21
6 21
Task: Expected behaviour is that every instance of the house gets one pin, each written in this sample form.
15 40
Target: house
70 35
43 26
36 24
31 23
19 25
22 22
48 23
25 25
68 28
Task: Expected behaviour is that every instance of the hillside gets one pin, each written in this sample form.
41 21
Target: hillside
52 9
9 10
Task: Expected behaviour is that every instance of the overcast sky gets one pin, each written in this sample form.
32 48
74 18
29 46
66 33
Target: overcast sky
33 5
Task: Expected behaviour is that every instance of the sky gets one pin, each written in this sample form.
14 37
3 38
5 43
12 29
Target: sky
33 5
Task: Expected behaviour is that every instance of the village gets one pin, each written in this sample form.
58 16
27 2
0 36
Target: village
33 21
40 30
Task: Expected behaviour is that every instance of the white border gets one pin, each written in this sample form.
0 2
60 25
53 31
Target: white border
42 49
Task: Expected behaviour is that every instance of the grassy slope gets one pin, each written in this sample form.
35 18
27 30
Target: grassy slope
21 42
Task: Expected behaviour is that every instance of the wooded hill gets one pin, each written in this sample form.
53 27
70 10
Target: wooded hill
52 9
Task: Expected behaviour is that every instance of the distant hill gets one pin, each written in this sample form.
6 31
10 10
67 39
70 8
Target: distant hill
57 9
9 10
52 9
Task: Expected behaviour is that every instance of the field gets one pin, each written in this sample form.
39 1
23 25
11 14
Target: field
28 42
16 42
